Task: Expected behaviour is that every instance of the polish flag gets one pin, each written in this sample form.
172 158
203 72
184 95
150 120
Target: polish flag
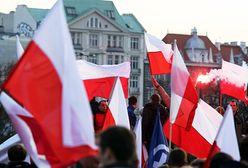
99 80
234 81
117 113
199 139
159 55
184 98
226 139
45 98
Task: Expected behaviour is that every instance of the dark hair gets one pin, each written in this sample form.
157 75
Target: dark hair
177 157
155 98
17 153
218 159
132 100
120 141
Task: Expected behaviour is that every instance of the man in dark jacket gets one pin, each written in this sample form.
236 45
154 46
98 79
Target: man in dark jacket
17 155
148 118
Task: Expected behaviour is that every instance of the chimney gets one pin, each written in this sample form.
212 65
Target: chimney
217 45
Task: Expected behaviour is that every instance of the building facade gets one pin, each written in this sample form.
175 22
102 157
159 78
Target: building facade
99 35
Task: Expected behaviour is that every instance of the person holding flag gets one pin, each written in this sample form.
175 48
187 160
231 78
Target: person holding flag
159 150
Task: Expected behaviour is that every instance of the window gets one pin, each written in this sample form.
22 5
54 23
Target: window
93 40
134 43
115 41
134 62
71 11
110 59
115 59
134 81
94 22
76 37
110 14
92 58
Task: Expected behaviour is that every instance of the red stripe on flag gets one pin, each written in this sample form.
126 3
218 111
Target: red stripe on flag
36 85
158 63
188 106
102 87
191 141
238 92
109 120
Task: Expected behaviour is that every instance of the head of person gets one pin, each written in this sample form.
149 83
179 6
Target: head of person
155 98
234 105
103 106
17 153
116 144
218 159
177 158
132 101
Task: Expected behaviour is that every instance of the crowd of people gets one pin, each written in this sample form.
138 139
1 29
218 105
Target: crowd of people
117 147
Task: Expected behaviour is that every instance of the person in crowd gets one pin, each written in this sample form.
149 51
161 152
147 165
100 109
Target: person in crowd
149 112
117 148
177 158
232 164
148 118
99 115
17 155
132 105
244 150
239 120
218 159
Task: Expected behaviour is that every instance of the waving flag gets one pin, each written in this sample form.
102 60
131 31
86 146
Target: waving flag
99 80
234 81
159 55
46 100
184 98
117 113
226 139
199 139
159 150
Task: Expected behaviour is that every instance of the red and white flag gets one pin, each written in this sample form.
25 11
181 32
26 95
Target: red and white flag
117 113
46 100
199 139
234 81
159 55
99 80
226 139
184 97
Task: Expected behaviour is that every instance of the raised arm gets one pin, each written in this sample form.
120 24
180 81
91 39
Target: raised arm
164 95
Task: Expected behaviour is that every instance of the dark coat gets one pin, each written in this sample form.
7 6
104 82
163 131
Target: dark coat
148 120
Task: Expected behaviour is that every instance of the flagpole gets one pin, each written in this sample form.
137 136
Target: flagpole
170 137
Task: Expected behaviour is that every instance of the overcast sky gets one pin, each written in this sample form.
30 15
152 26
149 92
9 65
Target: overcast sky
221 20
